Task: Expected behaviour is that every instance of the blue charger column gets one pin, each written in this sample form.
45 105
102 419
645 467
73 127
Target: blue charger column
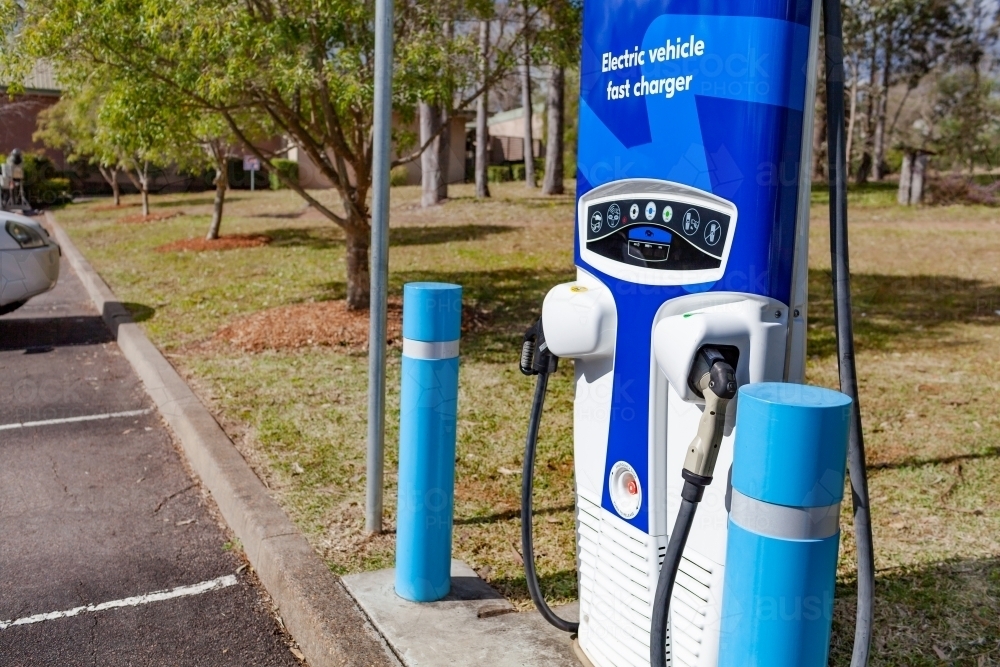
789 463
428 411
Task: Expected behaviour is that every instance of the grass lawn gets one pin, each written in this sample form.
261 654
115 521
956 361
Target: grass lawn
927 299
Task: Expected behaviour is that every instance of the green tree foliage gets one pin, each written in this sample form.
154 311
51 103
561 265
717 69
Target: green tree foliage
305 67
968 119
71 127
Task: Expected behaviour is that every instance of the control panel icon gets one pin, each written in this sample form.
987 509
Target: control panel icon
614 215
596 221
650 210
691 222
713 232
668 213
633 212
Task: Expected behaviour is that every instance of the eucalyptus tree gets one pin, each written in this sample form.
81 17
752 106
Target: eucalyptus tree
305 67
560 44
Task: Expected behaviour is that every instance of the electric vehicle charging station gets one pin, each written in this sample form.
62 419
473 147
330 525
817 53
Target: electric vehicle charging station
691 247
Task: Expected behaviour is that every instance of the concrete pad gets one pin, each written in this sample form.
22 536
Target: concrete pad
473 626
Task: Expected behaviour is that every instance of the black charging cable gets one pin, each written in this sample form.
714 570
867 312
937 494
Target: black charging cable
537 360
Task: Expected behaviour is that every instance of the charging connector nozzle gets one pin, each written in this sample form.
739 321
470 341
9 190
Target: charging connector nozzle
535 354
715 379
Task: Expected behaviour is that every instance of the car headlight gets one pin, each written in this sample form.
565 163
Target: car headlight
25 236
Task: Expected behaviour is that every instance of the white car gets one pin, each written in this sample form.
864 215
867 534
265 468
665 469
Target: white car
29 261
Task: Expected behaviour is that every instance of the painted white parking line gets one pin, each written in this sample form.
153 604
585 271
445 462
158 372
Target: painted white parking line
73 420
158 596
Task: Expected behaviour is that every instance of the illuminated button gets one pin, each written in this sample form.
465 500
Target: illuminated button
633 212
668 213
650 210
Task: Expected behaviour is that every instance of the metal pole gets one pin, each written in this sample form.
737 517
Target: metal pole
380 265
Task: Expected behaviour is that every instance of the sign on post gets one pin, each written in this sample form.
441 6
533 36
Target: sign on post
252 164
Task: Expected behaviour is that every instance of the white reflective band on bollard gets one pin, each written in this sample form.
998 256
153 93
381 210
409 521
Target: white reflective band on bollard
418 349
784 522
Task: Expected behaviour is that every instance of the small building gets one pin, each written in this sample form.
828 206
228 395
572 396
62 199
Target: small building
506 130
19 116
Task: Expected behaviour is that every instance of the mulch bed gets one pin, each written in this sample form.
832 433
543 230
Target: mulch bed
231 242
327 323
111 207
323 324
152 217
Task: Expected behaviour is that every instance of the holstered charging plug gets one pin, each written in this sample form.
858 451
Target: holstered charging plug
715 379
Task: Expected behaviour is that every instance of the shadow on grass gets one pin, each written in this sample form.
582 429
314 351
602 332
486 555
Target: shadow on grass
942 613
510 300
140 312
557 585
510 515
410 236
322 238
155 202
988 453
900 312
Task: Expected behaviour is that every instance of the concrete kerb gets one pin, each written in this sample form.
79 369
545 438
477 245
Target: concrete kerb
315 607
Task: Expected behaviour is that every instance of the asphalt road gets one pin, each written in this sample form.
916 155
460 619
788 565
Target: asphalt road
96 511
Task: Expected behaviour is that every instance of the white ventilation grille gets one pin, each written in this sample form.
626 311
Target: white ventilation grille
618 570
689 608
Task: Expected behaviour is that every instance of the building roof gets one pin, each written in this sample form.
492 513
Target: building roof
41 79
512 114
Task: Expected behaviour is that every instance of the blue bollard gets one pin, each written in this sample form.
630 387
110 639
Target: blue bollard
788 473
432 320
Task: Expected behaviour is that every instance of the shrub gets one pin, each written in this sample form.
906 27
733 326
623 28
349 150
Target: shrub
961 190
399 176
499 174
519 171
51 191
287 168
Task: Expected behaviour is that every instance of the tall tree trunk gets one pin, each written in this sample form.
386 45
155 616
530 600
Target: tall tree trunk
444 140
864 167
482 128
444 154
819 136
878 151
529 143
221 184
853 114
430 166
358 274
553 182
819 117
